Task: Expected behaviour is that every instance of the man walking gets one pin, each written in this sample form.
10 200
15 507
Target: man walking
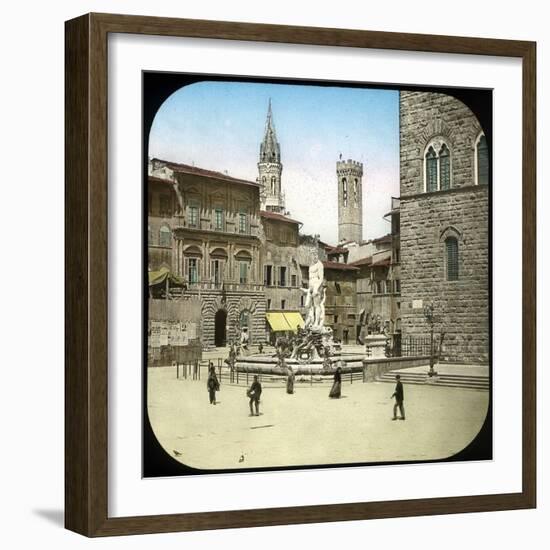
254 393
399 398
212 383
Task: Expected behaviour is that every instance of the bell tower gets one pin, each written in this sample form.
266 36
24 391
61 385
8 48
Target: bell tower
350 200
270 169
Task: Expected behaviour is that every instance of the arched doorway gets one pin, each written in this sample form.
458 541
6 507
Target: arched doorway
220 322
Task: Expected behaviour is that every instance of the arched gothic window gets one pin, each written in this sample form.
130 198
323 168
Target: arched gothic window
444 168
482 160
431 170
437 167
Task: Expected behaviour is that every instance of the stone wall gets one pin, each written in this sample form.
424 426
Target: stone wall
427 219
374 369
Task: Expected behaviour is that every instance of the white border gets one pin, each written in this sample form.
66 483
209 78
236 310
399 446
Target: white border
128 493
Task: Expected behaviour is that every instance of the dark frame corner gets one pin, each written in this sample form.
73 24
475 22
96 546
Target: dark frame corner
86 316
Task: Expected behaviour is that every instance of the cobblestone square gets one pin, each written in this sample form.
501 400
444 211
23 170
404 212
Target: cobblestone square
308 428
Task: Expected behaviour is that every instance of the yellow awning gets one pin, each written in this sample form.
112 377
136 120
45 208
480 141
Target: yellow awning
294 319
277 322
287 321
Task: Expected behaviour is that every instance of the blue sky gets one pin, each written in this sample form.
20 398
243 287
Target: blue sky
219 126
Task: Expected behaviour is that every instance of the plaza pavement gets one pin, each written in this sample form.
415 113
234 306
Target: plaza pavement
308 428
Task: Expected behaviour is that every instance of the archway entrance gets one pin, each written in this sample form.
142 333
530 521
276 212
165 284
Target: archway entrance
220 322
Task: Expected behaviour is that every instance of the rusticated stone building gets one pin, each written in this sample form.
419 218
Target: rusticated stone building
212 239
444 234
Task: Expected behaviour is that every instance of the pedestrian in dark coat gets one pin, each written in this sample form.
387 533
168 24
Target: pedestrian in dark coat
212 384
399 398
336 390
254 393
290 380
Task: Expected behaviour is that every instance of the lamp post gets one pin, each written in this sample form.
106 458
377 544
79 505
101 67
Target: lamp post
430 318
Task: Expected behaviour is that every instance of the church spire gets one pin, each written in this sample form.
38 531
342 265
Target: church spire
270 168
270 150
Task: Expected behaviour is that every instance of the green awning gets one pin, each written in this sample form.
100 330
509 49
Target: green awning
159 277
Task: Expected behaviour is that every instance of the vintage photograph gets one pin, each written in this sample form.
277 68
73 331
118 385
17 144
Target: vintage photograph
317 274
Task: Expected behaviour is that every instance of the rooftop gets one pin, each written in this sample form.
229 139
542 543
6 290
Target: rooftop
362 261
276 216
196 171
335 249
340 266
385 239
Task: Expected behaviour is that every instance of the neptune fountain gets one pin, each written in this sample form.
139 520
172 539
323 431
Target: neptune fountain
313 350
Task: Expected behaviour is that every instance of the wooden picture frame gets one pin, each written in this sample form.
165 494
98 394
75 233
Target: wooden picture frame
86 359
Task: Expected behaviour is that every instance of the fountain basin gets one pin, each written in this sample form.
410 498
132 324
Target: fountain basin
267 364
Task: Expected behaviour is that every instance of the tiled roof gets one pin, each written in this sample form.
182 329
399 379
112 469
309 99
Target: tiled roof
160 180
196 171
335 249
340 266
276 216
385 239
362 261
382 263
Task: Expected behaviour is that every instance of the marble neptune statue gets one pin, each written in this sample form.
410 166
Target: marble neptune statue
315 297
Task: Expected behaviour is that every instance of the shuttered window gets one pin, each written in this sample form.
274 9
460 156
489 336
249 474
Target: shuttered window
165 236
243 272
193 216
243 222
218 219
482 162
192 270
451 247
431 170
216 271
268 275
282 276
165 205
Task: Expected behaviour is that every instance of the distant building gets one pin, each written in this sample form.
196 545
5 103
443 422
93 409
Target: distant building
162 206
341 300
350 201
444 218
282 275
378 290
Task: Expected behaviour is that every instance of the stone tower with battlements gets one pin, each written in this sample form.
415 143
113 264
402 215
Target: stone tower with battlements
350 200
270 169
